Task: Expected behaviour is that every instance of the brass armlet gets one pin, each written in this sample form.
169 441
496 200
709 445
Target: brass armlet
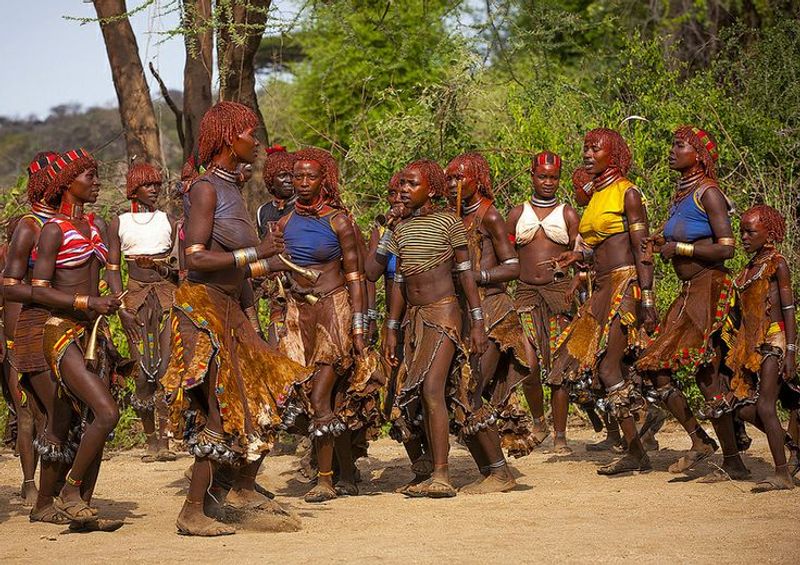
729 241
194 248
41 282
11 281
112 267
355 276
80 302
259 268
638 226
684 249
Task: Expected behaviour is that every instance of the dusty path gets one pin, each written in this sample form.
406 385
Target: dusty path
561 512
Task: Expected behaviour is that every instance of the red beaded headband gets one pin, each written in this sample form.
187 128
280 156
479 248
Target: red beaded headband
547 158
41 163
705 139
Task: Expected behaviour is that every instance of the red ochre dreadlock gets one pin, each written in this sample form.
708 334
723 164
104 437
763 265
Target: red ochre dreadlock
278 160
141 174
330 173
63 171
434 173
771 219
705 146
620 152
38 177
220 126
477 167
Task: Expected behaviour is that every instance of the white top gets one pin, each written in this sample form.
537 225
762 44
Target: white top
145 233
554 225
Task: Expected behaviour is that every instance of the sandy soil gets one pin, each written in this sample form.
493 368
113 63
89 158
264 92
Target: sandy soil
562 511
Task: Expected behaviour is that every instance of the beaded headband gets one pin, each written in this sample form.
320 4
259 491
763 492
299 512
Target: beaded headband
705 139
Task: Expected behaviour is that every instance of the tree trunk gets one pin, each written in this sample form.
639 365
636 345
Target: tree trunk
198 70
238 37
135 106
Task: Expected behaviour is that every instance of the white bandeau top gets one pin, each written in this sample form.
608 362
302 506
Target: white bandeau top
145 233
554 225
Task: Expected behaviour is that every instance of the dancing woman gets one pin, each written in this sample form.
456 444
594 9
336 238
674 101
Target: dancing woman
325 320
697 239
543 228
499 371
600 344
66 276
54 448
220 368
144 236
429 246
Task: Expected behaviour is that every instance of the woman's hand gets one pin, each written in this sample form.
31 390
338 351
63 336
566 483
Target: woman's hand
390 347
668 250
271 245
650 318
104 305
572 289
478 342
359 344
789 366
131 325
567 258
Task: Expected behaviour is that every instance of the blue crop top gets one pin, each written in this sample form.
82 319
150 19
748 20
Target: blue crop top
688 220
310 240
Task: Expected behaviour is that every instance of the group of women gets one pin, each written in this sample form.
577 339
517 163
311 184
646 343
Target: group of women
458 350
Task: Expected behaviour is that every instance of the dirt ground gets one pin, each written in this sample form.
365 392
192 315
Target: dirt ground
561 512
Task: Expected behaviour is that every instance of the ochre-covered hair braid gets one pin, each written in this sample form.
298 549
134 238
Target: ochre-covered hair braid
38 177
141 174
771 219
220 125
434 174
64 170
476 166
330 173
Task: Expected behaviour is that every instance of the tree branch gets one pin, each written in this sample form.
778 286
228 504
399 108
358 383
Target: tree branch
170 102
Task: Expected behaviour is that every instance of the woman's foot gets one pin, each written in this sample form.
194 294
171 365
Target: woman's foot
693 457
415 481
432 488
495 482
49 515
732 470
242 499
540 431
346 488
29 492
625 464
192 522
611 443
151 449
75 509
323 492
777 482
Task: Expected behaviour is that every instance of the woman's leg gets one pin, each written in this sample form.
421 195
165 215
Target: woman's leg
161 412
435 412
93 392
534 395
25 433
322 385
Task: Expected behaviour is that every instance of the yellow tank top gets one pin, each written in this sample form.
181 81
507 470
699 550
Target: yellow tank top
605 214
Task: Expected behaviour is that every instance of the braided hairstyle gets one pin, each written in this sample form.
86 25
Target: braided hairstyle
771 219
330 173
141 174
220 126
620 152
705 146
38 177
477 167
63 171
278 159
434 173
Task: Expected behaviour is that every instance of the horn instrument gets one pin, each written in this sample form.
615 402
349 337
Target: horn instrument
311 274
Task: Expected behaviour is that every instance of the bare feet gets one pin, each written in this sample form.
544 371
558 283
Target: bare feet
732 470
29 492
192 522
781 481
432 488
320 493
415 481
346 488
